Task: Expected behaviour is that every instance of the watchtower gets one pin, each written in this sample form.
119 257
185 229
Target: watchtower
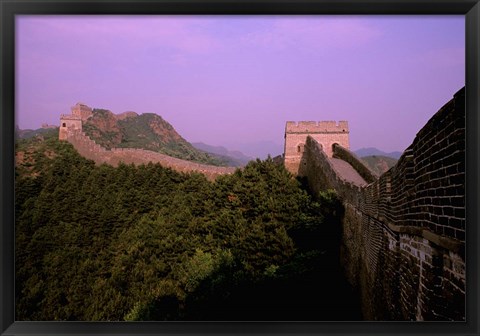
71 122
326 133
81 110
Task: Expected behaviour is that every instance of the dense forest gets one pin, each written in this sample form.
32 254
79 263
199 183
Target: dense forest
148 243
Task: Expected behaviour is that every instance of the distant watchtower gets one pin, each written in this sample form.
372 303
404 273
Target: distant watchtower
73 121
326 133
81 110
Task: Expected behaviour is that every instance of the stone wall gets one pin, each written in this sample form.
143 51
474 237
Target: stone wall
68 123
403 242
81 110
326 133
344 154
93 151
322 175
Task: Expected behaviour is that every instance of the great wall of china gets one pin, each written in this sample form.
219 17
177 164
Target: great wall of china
71 131
403 234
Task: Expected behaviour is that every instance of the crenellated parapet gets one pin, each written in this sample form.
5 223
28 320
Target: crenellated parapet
403 233
316 127
70 117
82 111
326 133
68 124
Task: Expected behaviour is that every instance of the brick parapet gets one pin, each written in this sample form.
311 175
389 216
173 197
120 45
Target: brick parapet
426 188
342 153
403 240
316 127
326 133
318 161
69 117
82 111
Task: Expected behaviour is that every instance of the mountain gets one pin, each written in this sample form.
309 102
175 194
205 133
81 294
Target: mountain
362 152
379 164
148 131
258 149
234 158
29 133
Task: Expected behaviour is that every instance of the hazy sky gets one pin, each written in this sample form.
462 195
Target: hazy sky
237 79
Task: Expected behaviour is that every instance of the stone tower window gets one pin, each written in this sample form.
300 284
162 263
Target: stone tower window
299 149
64 125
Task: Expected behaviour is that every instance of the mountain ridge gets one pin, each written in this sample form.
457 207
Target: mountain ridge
144 131
151 132
235 157
378 164
373 151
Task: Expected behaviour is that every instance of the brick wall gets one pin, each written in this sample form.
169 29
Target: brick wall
326 133
403 240
81 110
68 123
93 151
342 153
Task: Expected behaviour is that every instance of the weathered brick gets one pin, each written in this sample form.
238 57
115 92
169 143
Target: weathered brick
426 191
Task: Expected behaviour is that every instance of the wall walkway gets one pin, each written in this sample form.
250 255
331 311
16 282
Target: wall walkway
347 172
93 151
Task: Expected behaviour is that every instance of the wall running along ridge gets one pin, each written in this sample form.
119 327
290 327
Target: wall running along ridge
93 151
403 244
344 154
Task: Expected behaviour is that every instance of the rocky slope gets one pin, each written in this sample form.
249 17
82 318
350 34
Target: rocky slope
148 131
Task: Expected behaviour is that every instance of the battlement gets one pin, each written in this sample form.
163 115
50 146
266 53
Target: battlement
326 133
45 125
69 117
403 234
317 127
81 110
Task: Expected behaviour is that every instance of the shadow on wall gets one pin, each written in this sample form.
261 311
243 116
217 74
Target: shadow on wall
403 242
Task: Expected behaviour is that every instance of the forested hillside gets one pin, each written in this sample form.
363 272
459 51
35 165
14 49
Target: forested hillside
148 131
28 133
149 243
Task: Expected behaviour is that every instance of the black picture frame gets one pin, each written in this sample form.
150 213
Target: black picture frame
10 8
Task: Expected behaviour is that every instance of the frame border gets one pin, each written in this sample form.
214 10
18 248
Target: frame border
10 8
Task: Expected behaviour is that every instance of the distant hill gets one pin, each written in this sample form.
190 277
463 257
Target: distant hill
234 158
379 164
362 152
257 149
29 133
148 131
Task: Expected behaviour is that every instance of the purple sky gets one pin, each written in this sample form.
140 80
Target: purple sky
236 80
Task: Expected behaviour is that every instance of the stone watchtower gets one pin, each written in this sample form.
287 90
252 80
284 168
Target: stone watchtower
326 133
81 110
73 121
